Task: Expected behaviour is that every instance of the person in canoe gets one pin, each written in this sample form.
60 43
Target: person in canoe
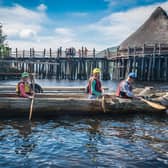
23 88
124 89
34 86
94 87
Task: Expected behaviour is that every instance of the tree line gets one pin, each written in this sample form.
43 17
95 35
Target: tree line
4 48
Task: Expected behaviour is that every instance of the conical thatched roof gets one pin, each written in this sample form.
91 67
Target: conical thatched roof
153 31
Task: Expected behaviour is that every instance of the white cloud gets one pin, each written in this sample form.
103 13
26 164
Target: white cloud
124 3
18 19
113 29
27 28
64 31
27 34
42 7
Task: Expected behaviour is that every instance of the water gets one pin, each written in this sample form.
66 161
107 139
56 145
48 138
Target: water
105 141
132 141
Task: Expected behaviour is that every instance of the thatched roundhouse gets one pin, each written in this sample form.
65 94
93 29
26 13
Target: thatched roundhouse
153 31
145 51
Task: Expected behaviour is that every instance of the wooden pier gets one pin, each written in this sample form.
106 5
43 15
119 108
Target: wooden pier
150 62
58 65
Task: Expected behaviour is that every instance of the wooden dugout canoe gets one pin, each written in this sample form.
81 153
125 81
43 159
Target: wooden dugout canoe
78 104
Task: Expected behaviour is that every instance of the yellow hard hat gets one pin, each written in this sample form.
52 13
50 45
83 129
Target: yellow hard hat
96 70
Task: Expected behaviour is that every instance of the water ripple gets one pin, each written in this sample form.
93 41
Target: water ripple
138 141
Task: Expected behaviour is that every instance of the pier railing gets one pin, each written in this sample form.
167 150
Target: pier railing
146 50
57 64
50 53
150 62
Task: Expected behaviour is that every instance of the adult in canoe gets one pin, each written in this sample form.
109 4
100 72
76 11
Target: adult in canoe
124 89
94 87
23 88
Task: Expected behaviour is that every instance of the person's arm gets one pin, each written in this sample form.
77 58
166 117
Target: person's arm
93 89
22 91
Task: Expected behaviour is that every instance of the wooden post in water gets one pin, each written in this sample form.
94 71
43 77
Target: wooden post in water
149 68
82 51
153 62
44 52
23 53
33 52
134 60
50 53
159 68
108 52
16 53
94 52
30 53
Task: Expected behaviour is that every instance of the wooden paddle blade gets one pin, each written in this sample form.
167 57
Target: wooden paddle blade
155 105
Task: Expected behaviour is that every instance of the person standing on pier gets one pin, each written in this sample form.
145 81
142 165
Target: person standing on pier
94 87
124 89
23 88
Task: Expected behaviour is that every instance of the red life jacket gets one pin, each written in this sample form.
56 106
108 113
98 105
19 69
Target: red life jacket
121 94
118 89
98 85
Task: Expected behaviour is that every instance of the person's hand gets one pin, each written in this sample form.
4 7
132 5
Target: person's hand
137 98
33 93
31 97
102 91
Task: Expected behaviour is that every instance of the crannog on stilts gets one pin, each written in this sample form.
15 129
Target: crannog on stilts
145 51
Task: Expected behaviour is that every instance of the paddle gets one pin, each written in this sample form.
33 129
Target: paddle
154 105
32 101
31 108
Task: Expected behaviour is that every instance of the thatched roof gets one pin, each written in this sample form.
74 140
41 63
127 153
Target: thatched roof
153 31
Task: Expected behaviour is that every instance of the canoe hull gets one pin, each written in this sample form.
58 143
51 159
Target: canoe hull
16 106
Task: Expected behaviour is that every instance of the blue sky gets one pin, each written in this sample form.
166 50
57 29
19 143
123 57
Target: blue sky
92 23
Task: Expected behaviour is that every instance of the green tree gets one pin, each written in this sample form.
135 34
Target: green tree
4 49
2 37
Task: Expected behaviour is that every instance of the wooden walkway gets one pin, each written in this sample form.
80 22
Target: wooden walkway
150 62
64 66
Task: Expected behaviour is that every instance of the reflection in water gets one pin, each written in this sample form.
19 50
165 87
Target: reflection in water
93 136
24 144
135 141
24 128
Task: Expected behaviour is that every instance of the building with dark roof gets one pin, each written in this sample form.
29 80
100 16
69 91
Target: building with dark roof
145 51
